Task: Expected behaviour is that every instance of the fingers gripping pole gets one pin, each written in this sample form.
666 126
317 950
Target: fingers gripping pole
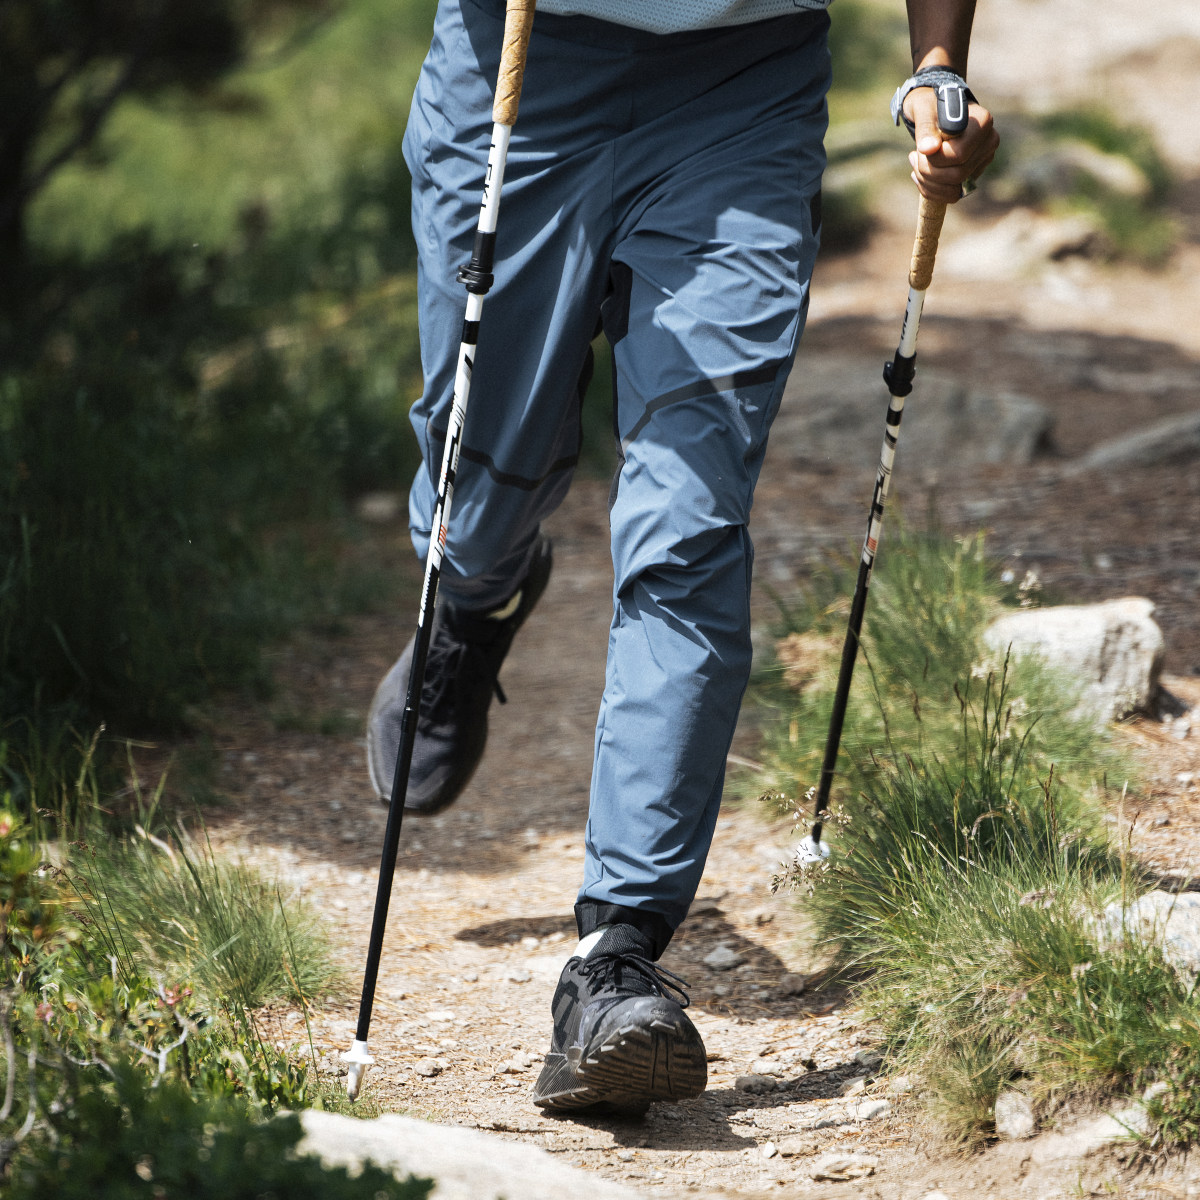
898 374
477 278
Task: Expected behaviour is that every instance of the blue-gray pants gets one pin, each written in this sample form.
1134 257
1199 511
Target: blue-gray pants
668 187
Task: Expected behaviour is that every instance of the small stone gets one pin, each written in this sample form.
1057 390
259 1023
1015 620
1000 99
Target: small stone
871 1110
625 1155
871 1059
792 985
440 1015
723 959
768 1066
762 916
1014 1115
470 977
1185 778
856 1088
349 835
768 1150
796 1146
518 975
899 1085
755 1084
1160 822
429 1067
838 1167
935 1196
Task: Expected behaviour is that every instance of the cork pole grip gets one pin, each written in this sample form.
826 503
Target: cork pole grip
929 229
518 22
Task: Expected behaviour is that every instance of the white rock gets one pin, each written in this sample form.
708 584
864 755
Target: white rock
1114 650
768 1150
796 1146
1164 917
844 1166
871 1110
722 958
466 1164
1014 1115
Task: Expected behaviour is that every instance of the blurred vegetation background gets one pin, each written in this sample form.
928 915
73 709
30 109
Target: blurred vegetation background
208 339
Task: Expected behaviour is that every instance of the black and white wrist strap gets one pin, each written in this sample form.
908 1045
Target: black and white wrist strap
953 98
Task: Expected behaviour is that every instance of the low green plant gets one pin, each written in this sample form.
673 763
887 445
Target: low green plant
124 1136
169 905
920 655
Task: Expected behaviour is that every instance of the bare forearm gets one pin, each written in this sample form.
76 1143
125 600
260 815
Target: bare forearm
940 33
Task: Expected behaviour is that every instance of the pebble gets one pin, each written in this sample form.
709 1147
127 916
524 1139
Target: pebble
429 1067
899 1085
723 959
792 985
755 1084
768 1150
518 975
768 1066
837 1167
625 1155
440 1014
871 1110
795 1146
1185 778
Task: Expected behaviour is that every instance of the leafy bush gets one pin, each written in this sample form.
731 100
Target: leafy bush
124 1137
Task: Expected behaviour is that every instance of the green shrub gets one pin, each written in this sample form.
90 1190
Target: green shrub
931 598
173 907
125 1137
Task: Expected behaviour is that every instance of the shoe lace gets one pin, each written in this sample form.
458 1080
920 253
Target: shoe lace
453 660
628 972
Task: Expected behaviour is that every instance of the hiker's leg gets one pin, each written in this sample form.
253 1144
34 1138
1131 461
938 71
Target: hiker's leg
715 261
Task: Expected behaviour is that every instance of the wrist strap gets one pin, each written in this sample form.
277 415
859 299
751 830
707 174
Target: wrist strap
931 77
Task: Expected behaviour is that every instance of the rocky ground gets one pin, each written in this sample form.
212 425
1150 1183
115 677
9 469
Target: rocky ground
481 908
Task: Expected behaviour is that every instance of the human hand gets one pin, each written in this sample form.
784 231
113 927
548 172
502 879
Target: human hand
946 167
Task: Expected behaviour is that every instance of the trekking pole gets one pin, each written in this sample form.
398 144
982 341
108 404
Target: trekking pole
477 278
898 375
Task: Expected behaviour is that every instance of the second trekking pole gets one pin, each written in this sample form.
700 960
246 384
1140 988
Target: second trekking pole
898 375
477 278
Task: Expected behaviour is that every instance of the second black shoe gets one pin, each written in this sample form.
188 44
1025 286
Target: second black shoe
621 1038
461 677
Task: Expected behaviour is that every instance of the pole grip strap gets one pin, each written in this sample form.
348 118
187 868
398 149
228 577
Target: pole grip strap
518 24
929 228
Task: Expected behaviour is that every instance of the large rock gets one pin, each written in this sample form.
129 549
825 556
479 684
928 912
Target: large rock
466 1164
833 416
1171 440
1114 650
1168 919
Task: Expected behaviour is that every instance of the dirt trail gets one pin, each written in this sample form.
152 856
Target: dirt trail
481 909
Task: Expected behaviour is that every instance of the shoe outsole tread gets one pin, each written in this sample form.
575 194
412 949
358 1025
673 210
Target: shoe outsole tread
633 1067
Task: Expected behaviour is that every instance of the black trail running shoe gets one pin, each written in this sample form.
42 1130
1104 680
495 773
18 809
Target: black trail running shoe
461 677
621 1039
